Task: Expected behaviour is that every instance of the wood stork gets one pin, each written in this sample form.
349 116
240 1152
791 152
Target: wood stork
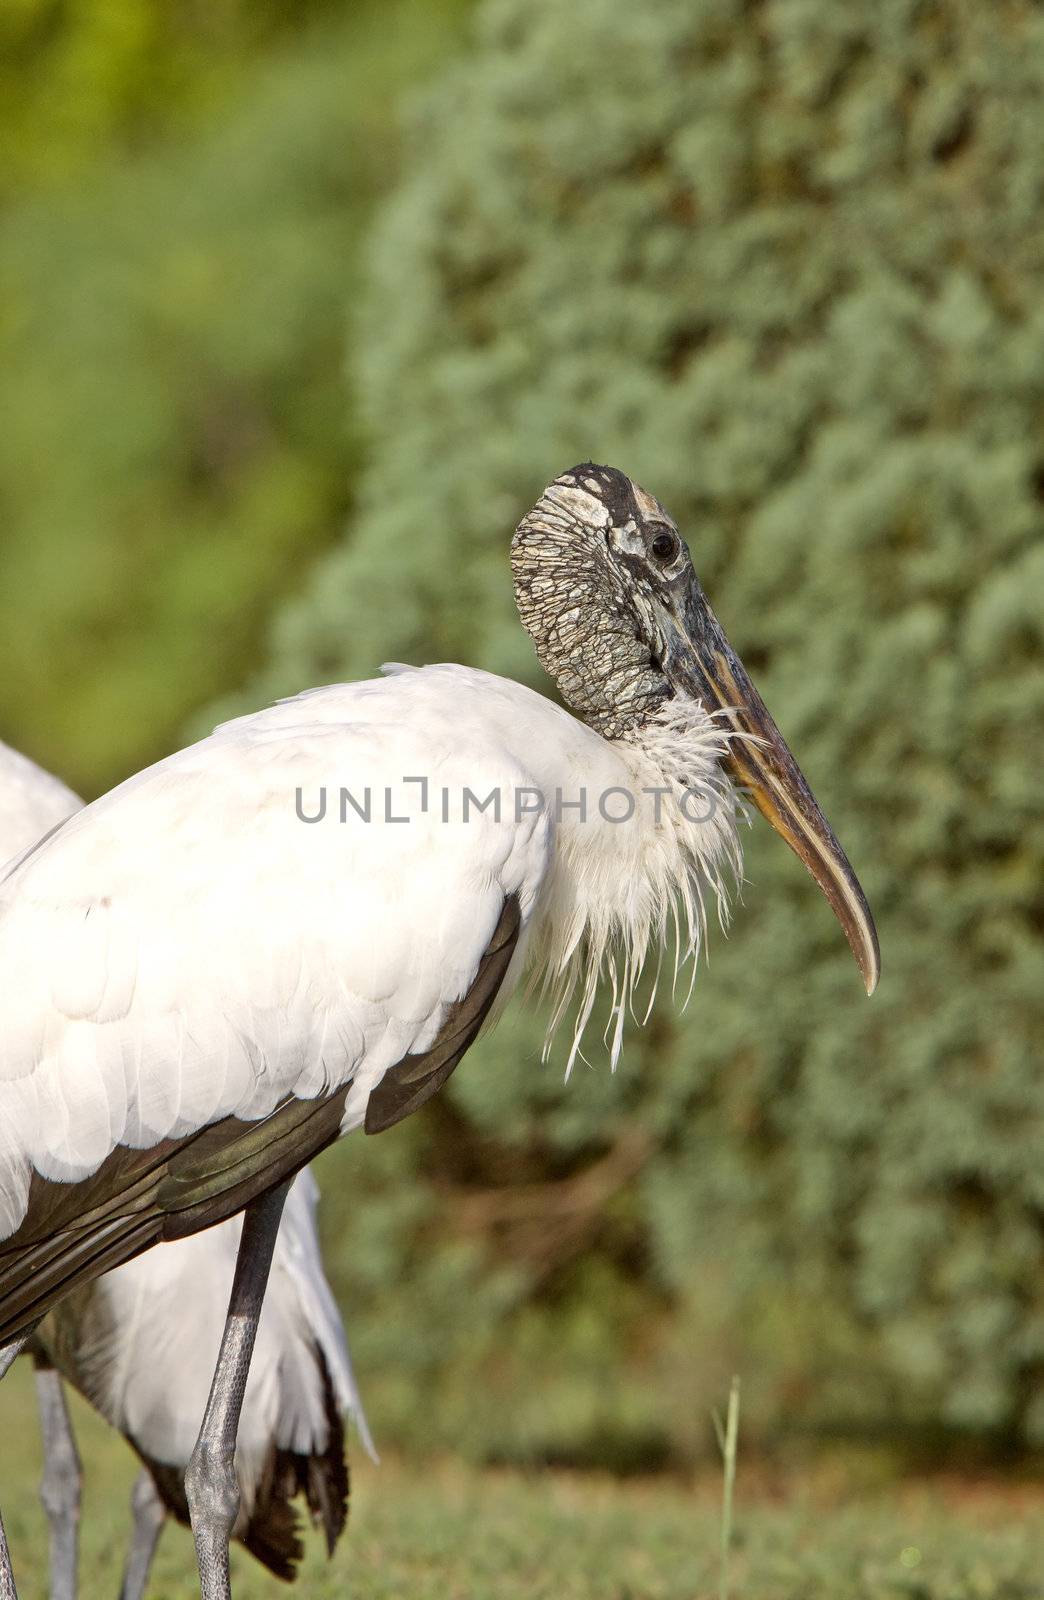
213 971
140 1341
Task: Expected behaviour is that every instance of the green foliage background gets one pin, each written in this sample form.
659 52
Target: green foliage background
781 261
182 191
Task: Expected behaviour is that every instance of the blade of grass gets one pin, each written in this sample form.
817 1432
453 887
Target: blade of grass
727 1440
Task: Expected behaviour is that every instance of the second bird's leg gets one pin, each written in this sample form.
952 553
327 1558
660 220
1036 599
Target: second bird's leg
60 1484
211 1486
7 1583
149 1515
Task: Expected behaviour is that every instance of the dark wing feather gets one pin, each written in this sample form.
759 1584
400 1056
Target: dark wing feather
72 1232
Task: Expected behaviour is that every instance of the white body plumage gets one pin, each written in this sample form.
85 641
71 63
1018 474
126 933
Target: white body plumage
187 948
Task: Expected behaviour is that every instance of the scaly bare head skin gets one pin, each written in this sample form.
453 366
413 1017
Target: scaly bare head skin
606 589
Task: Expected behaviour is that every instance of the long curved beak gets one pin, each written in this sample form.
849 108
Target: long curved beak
701 661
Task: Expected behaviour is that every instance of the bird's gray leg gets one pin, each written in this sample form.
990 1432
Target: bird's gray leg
7 1583
149 1515
60 1484
211 1486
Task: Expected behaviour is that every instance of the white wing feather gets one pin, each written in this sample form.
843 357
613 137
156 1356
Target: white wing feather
186 948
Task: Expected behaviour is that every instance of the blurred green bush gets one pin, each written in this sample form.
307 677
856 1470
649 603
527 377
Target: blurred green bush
79 78
781 261
183 189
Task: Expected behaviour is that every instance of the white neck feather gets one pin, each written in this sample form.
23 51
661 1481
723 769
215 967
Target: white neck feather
618 891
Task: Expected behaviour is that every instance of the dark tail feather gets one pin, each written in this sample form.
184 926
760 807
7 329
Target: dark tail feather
322 1477
328 1488
274 1538
273 1533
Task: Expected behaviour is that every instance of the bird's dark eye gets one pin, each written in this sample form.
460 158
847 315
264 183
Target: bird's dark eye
665 547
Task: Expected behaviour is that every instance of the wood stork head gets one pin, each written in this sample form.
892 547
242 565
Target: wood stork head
606 589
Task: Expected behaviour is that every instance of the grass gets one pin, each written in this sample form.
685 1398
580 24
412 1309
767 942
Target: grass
728 1440
449 1533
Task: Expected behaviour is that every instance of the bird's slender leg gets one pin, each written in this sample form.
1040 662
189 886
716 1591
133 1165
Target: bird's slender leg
60 1484
7 1583
211 1486
149 1515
